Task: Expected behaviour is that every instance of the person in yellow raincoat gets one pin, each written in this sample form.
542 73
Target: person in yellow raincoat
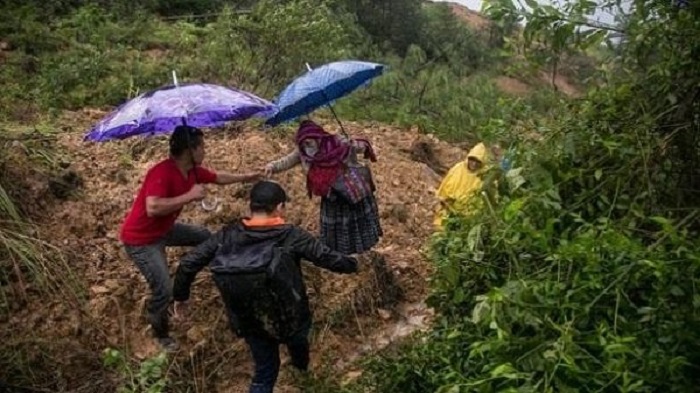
461 183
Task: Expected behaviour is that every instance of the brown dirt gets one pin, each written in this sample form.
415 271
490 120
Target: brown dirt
512 86
473 18
4 49
350 311
517 87
422 151
479 22
562 83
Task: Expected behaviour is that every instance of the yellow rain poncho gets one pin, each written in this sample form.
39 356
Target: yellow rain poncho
460 185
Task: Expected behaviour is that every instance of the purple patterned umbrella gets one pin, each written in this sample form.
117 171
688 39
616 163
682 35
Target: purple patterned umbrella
159 111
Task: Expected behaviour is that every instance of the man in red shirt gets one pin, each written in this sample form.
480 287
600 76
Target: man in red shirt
150 225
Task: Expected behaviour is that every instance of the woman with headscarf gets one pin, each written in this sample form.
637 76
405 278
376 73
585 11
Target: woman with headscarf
461 184
349 213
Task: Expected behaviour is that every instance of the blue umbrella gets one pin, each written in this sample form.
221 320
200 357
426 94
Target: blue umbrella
321 86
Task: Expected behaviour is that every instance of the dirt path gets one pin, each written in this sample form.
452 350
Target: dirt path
355 315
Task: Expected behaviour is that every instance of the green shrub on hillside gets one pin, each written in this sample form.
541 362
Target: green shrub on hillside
415 92
584 278
569 283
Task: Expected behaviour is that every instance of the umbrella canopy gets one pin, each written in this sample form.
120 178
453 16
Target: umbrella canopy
321 86
159 111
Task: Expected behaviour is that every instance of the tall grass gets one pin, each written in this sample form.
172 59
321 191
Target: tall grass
32 271
25 259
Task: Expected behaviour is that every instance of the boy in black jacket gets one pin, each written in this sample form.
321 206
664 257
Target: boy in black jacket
256 267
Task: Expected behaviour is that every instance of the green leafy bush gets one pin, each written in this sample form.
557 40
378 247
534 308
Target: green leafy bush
150 377
583 277
571 282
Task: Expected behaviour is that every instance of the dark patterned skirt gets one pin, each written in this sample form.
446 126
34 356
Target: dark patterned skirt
350 228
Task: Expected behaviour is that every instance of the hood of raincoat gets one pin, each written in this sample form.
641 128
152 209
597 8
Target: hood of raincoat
479 152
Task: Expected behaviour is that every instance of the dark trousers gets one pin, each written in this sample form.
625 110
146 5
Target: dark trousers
152 262
266 356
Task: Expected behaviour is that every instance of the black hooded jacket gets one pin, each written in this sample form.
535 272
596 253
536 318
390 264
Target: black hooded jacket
244 243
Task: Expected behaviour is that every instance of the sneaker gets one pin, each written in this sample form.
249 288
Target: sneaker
168 344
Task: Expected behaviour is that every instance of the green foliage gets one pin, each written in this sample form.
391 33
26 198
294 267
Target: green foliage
583 277
448 40
551 38
150 377
72 54
96 58
394 25
25 259
187 7
571 282
92 57
247 49
504 21
125 7
417 92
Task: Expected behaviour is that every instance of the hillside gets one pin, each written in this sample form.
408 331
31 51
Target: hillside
520 83
68 291
355 315
474 19
72 303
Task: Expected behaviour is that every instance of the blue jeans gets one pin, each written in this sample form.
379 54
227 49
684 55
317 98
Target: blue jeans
266 356
152 262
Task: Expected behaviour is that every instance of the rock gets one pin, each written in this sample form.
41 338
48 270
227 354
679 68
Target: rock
99 289
113 284
351 376
384 314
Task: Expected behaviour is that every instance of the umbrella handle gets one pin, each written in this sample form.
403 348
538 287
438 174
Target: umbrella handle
194 164
342 129
184 123
335 115
205 205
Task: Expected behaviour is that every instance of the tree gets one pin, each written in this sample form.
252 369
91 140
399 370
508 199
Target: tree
447 39
505 21
395 24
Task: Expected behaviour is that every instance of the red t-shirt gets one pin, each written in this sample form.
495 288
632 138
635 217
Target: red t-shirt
164 180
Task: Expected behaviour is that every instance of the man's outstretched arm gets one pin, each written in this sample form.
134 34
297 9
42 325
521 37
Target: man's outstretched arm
321 255
224 178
